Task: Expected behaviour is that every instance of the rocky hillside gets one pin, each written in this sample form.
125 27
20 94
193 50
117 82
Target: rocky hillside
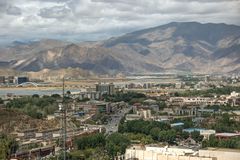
189 46
13 120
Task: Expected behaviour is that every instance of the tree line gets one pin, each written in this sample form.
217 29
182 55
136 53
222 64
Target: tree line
130 97
111 145
158 131
233 143
35 106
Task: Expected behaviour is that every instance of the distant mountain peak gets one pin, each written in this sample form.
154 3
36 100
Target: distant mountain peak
184 46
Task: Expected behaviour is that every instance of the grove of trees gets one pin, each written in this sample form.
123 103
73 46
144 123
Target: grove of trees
157 130
91 141
224 123
35 106
224 143
111 145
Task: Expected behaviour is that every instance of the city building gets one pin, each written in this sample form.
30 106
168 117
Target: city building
190 130
185 110
234 99
100 106
179 85
46 134
148 85
26 134
13 80
204 132
179 124
162 153
139 114
20 80
207 133
139 152
10 79
105 88
130 86
26 145
220 154
131 117
93 95
196 101
145 113
36 153
2 79
206 78
227 135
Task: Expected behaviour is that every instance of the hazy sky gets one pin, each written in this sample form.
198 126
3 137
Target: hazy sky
76 20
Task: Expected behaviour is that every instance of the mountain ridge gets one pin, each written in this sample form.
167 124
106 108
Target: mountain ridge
183 46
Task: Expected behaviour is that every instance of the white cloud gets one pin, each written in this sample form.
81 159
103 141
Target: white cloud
13 10
55 12
98 19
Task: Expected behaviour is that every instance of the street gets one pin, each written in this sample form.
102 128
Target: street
112 125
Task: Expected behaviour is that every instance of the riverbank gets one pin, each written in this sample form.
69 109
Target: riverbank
31 91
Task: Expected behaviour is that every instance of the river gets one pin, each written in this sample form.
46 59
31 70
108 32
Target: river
29 91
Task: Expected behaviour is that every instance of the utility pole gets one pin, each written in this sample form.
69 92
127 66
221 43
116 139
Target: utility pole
65 121
63 110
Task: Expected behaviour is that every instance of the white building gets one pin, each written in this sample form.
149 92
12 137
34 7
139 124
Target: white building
206 133
131 117
140 114
171 153
197 101
220 154
234 94
144 113
162 153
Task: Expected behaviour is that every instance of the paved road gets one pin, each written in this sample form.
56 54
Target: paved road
112 125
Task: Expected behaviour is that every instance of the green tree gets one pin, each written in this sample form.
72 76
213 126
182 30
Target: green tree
224 143
56 96
142 138
68 156
184 135
196 136
35 96
126 97
212 142
168 136
141 126
35 106
91 141
8 146
117 144
162 105
68 92
1 101
155 133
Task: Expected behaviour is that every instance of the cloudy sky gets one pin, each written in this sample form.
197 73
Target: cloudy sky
78 20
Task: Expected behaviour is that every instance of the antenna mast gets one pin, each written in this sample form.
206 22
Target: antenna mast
64 127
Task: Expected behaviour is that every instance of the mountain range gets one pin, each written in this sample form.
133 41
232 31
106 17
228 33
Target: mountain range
177 46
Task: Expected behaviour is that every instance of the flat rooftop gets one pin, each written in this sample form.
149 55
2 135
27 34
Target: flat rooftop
222 149
227 134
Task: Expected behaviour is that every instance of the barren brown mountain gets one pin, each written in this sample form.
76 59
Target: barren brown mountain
186 46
